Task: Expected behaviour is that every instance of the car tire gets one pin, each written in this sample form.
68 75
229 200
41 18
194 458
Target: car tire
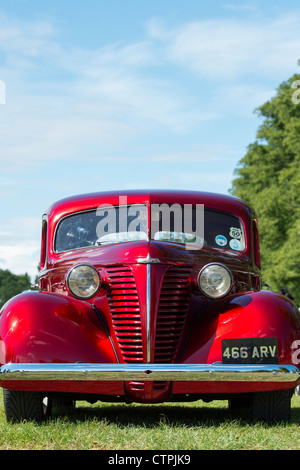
271 406
24 405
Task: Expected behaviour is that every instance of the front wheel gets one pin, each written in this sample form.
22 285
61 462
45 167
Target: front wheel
23 405
271 406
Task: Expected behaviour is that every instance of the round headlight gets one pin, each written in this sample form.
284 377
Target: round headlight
215 280
83 281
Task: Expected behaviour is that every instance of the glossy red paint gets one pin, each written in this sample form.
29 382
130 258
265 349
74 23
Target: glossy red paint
180 325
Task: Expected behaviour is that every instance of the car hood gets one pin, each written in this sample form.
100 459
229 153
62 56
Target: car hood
150 252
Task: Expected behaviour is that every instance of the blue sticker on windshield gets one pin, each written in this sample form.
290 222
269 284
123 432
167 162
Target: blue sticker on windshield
221 240
235 244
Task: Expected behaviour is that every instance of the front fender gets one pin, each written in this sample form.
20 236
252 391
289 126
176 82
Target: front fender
40 327
258 314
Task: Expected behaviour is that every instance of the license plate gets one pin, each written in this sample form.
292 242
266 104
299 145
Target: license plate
250 351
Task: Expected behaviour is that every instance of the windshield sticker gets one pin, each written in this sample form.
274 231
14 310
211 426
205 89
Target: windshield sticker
235 244
235 233
221 240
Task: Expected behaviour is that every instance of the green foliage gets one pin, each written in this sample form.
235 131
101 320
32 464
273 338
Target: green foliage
268 177
12 284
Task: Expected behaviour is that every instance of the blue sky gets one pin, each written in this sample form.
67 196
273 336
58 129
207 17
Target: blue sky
129 94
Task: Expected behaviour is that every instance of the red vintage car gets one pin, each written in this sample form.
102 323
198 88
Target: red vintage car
149 296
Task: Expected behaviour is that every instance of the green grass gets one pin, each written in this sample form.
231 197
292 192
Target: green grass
192 426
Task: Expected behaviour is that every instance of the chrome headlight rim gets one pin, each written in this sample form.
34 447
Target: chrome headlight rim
223 294
96 288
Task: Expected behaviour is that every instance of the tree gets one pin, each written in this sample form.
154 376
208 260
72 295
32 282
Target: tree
12 284
268 177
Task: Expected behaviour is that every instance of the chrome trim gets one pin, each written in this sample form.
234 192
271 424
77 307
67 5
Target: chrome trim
148 260
214 264
148 312
68 277
150 372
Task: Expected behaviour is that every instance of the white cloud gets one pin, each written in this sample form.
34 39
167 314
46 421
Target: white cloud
220 182
195 180
246 7
111 103
24 42
20 259
19 229
242 99
92 101
20 245
230 49
107 95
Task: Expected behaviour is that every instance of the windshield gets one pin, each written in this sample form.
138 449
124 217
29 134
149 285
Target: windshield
118 224
103 226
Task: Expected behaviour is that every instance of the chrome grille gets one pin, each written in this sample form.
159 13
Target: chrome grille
172 312
125 313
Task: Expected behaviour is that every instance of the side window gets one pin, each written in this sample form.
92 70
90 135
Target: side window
43 244
256 243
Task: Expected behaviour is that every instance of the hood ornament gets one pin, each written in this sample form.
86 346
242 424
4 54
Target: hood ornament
148 260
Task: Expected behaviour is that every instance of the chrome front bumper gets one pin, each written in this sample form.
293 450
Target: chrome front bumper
150 372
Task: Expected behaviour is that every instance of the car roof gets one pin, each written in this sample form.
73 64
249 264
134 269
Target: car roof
83 202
